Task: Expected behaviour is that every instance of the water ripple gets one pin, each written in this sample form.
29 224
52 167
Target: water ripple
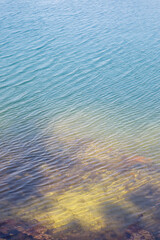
79 113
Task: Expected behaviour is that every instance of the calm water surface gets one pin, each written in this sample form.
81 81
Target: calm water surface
79 112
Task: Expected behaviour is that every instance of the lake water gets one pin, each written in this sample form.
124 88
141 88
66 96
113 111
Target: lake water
80 112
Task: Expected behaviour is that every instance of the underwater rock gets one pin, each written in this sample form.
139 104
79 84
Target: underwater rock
87 235
134 232
22 230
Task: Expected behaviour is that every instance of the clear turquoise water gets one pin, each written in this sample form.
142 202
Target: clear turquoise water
76 71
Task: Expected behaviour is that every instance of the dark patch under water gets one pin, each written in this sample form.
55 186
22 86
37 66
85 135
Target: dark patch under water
22 230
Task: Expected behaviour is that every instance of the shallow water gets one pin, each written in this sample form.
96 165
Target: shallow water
79 112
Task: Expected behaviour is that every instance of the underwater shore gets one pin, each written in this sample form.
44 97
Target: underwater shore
106 193
18 229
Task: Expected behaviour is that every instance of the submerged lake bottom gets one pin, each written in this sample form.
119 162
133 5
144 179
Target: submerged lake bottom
65 186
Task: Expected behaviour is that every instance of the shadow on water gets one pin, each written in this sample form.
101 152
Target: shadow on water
22 172
146 197
120 214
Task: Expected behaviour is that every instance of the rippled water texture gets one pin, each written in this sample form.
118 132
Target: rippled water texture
79 112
